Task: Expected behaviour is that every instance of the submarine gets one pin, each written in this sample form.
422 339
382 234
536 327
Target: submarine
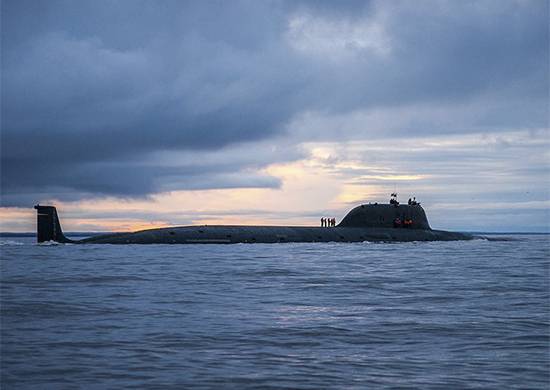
367 222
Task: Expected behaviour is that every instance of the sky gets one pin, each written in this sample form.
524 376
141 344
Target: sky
131 114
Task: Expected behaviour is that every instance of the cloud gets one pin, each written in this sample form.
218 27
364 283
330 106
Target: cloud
336 40
133 98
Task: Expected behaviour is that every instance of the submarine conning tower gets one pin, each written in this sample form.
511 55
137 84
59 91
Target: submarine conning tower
384 215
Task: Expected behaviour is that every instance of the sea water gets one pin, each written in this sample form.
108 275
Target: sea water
473 314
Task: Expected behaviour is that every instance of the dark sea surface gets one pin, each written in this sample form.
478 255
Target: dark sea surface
435 315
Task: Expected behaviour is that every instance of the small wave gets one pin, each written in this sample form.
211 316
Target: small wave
48 243
10 242
499 238
51 243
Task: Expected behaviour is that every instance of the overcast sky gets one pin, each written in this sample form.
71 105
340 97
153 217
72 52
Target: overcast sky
131 114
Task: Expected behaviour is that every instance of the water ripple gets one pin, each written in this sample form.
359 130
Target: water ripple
411 315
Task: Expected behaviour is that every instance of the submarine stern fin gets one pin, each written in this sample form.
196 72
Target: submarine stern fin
48 227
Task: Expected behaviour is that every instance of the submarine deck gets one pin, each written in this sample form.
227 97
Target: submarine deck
227 234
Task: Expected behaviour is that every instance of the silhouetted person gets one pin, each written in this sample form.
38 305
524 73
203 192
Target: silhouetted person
410 201
334 222
322 221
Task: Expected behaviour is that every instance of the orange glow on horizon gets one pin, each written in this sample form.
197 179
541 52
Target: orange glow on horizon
110 225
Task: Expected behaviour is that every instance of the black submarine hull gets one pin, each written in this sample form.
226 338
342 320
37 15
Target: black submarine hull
271 234
373 223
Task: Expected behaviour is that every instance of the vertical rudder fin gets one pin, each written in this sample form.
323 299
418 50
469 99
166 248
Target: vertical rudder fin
48 227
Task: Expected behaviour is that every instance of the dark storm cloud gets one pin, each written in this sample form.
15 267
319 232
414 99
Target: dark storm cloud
92 91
